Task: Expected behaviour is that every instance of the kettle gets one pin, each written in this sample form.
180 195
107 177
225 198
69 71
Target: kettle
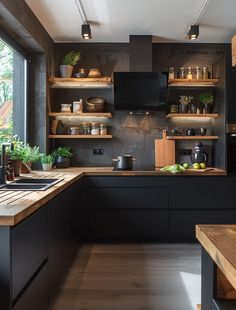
199 155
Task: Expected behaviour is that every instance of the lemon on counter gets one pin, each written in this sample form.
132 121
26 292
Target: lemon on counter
196 166
186 165
202 165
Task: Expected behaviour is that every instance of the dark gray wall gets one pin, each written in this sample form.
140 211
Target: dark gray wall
135 134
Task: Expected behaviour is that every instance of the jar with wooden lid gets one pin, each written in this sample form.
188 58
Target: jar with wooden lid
189 73
94 128
205 73
197 73
103 129
171 73
182 73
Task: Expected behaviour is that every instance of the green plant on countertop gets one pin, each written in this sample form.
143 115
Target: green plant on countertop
46 159
71 58
175 169
31 154
185 100
62 151
206 97
18 153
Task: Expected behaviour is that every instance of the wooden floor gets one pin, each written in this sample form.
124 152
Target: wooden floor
133 277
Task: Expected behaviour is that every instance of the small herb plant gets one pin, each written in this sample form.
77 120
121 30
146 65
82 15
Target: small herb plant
31 154
71 58
18 153
185 100
46 159
206 97
62 151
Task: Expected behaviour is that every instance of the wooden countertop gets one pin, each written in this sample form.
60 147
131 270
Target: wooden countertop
17 205
220 243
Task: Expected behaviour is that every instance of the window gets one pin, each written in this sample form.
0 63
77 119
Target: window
13 68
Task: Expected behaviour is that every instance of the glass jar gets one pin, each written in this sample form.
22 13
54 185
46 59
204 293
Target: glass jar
189 73
205 73
94 129
198 73
171 73
182 73
85 129
103 129
77 106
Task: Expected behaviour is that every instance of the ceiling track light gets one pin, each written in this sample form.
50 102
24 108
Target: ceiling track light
193 32
86 32
85 27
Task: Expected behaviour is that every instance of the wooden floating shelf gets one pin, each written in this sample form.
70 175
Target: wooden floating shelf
178 115
80 136
192 137
103 82
100 114
193 82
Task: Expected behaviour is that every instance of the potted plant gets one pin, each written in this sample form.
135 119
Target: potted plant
16 156
69 61
207 98
31 155
62 157
46 161
184 103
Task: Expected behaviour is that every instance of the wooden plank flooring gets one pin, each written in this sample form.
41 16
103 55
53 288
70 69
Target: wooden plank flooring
133 277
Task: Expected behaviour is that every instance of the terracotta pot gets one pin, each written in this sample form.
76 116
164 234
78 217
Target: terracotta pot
26 167
16 164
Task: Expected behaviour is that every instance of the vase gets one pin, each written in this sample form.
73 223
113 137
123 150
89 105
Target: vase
207 108
66 71
16 164
62 162
47 166
184 108
193 109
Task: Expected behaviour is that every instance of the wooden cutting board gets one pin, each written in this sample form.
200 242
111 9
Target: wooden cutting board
200 170
164 151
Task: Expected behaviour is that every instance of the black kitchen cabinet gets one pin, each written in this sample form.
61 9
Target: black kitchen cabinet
29 249
127 208
36 296
182 222
64 217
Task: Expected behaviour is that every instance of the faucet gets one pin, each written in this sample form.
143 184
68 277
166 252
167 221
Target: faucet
3 162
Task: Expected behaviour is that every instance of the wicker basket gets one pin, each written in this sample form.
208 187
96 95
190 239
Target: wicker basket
95 104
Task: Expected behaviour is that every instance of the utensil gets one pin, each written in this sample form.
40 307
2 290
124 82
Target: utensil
164 151
124 162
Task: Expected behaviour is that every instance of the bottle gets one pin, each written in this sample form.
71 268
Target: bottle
171 73
205 73
181 73
103 129
189 73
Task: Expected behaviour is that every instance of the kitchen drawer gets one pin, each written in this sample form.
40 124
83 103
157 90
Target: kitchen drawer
124 225
182 223
29 249
128 198
199 193
36 295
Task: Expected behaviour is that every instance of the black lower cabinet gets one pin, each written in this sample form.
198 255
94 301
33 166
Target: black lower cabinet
128 225
182 223
36 295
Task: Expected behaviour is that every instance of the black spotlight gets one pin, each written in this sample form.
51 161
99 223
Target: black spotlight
193 32
86 31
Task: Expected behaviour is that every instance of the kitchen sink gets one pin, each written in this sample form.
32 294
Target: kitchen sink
30 184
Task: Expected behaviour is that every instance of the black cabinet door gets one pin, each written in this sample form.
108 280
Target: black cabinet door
128 225
29 249
198 193
36 295
182 223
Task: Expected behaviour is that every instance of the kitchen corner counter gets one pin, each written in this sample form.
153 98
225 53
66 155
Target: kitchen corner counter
17 205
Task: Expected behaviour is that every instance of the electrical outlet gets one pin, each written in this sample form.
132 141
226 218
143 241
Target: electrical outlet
98 151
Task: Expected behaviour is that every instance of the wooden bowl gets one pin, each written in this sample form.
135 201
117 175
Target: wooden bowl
95 104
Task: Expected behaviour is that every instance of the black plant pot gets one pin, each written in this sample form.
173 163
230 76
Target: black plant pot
62 162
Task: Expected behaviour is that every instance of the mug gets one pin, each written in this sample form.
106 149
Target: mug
190 132
202 131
